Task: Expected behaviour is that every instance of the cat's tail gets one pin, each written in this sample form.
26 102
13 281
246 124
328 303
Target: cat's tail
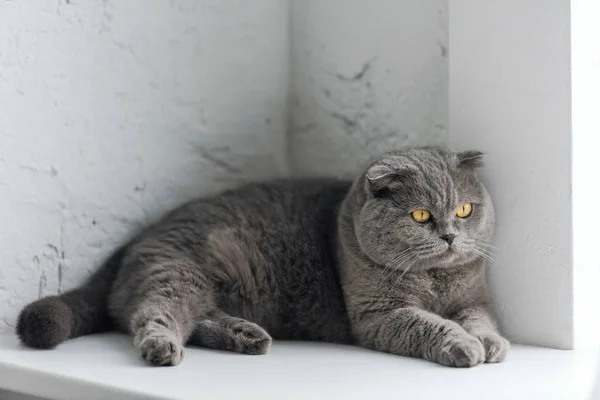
46 323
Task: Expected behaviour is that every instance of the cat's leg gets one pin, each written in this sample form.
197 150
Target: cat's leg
413 332
164 317
224 332
478 321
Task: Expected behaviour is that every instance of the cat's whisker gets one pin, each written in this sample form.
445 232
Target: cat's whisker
399 265
478 253
487 245
396 260
415 260
485 256
407 258
425 248
399 256
485 250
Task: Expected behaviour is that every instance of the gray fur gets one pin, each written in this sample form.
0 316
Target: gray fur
302 259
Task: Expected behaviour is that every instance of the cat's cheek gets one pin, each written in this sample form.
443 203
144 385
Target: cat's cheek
381 241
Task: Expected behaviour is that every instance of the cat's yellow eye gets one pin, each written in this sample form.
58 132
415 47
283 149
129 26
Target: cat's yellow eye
464 210
421 215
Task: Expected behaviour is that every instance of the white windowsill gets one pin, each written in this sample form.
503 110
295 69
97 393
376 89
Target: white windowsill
106 366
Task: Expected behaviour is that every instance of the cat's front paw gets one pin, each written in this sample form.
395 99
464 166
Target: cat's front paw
250 338
461 351
496 347
161 348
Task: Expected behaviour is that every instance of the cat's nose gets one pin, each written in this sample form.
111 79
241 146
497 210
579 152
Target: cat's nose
448 237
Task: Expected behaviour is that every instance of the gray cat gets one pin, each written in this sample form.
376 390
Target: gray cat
393 262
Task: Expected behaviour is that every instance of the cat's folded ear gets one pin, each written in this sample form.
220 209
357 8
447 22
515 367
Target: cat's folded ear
470 159
383 176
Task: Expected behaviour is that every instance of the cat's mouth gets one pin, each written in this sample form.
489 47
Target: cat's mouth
442 252
450 251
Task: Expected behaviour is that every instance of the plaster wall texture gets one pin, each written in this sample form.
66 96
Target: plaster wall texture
368 77
112 112
585 95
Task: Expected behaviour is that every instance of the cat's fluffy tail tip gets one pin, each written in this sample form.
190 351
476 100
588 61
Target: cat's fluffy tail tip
45 323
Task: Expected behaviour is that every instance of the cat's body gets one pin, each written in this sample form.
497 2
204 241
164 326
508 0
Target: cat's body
264 252
306 259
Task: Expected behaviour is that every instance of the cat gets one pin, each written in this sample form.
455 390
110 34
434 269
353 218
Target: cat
394 262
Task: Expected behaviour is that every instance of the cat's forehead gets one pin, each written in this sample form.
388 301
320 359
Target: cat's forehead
437 182
425 159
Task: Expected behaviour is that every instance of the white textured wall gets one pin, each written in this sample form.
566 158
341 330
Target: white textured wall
510 96
368 76
112 111
585 65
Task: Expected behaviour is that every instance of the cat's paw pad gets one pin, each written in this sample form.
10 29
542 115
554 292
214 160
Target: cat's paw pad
250 338
462 351
160 348
496 348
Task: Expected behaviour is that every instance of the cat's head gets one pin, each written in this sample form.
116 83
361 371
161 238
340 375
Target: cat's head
424 207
